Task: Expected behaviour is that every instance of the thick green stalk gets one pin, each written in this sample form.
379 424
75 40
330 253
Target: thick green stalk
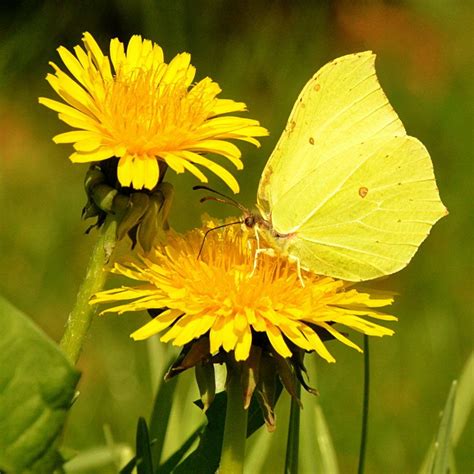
293 440
365 407
81 315
235 431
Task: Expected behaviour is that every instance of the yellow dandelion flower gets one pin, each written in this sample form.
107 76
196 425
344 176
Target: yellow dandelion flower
134 106
219 295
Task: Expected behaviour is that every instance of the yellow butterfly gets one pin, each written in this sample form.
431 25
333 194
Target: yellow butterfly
346 191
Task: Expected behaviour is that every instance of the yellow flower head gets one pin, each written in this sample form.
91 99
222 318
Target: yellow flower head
221 296
136 107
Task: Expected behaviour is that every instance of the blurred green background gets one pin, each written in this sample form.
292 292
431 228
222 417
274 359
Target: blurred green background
261 53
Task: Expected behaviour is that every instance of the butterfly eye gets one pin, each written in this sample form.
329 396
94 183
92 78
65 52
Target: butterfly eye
249 221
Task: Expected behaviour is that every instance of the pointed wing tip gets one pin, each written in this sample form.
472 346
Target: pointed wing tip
361 54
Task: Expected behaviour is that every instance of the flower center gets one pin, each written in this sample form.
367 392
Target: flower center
146 114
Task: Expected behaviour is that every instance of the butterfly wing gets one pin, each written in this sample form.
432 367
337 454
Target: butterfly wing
379 211
354 193
342 105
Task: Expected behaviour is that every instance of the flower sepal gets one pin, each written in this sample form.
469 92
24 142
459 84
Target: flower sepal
206 381
141 215
263 374
100 197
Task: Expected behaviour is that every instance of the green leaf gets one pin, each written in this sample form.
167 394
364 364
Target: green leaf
316 442
98 458
205 458
326 447
443 440
439 456
455 415
37 386
464 399
129 467
161 413
144 461
176 457
293 439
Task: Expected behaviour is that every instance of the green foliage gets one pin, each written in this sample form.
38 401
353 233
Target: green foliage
144 461
36 389
317 451
205 459
440 457
175 458
464 400
160 416
293 441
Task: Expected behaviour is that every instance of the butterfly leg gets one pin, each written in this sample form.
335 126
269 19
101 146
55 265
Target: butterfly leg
296 261
267 251
258 251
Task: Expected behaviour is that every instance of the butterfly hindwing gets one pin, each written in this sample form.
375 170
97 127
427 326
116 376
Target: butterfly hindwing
377 216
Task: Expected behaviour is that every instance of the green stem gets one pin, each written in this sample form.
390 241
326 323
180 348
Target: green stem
292 444
365 407
81 315
235 431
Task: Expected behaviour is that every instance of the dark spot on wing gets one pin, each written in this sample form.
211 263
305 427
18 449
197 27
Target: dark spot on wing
311 140
363 191
317 87
266 176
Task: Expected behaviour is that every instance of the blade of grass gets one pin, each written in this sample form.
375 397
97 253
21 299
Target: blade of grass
443 440
365 407
439 455
98 458
293 440
462 404
161 412
326 447
205 458
317 448
144 460
129 467
464 399
178 455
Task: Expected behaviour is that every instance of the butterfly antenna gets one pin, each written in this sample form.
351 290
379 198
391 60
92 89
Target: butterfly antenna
210 230
224 199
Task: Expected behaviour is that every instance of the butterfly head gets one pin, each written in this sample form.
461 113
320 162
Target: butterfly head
250 220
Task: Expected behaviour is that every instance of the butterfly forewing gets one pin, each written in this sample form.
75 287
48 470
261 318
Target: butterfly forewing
342 105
